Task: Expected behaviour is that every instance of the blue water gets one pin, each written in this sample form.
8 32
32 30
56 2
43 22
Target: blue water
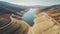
29 17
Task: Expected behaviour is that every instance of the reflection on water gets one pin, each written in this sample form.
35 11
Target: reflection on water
29 17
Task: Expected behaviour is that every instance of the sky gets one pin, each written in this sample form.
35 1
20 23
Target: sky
34 2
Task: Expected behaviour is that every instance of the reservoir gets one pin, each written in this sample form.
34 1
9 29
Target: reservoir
29 17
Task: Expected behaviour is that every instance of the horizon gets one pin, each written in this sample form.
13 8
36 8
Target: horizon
33 2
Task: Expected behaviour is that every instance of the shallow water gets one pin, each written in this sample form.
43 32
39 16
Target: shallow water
29 17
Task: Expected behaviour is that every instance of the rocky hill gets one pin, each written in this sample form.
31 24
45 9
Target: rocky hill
53 11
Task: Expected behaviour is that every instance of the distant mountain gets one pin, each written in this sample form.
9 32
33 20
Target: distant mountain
11 6
14 6
37 6
51 7
18 8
